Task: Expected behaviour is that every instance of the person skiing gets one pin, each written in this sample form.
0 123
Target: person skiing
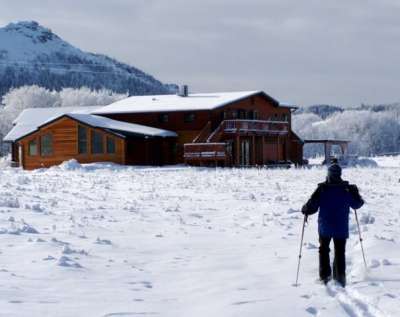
333 198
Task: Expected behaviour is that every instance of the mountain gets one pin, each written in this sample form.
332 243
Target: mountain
32 54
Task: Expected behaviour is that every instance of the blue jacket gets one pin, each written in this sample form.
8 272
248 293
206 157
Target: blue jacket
333 199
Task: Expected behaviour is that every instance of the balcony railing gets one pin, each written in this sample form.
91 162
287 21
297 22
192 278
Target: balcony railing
205 151
256 126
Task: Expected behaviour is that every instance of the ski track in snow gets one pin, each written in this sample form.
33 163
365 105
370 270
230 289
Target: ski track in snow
353 303
105 240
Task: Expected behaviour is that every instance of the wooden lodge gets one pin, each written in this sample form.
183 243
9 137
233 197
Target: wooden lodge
224 129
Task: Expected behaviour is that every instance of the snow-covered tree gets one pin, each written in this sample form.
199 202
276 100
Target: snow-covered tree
24 97
86 97
369 132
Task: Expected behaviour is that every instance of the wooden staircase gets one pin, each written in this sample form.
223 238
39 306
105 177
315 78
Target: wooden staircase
208 146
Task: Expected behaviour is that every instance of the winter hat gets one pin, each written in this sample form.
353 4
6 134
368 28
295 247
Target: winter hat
334 171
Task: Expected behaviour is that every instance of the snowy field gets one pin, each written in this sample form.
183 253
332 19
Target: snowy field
102 240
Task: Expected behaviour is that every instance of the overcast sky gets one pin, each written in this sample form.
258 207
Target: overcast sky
305 52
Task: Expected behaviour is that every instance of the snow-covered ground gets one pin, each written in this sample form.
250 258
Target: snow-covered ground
103 240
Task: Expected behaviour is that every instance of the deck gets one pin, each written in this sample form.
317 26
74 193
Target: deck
210 147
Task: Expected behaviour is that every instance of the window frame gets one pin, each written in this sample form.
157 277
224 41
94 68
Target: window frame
36 147
50 150
255 115
93 144
79 141
163 118
242 114
189 117
114 145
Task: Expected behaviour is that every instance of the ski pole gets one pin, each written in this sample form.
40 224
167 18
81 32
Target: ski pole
301 246
361 240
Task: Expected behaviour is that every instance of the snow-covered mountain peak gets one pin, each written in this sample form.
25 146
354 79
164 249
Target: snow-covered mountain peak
33 30
32 54
28 40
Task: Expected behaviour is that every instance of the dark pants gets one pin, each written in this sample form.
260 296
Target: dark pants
339 262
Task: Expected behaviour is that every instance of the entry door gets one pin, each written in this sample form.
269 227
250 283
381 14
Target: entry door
245 152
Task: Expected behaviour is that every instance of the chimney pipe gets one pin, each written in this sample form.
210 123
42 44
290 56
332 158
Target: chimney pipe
183 91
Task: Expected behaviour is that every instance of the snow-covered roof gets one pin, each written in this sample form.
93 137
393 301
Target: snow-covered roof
30 120
38 116
165 103
119 126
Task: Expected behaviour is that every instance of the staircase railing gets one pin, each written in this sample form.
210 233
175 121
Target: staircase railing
205 151
203 135
257 126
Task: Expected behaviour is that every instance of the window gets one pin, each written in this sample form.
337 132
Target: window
255 115
285 117
32 148
97 143
82 140
250 115
189 117
110 145
163 118
46 145
242 114
234 114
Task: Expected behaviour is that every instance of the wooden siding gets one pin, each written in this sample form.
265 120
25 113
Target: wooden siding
151 151
158 151
176 120
264 107
187 132
296 149
65 146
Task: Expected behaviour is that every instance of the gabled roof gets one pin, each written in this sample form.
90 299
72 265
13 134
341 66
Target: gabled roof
24 127
167 103
37 116
30 119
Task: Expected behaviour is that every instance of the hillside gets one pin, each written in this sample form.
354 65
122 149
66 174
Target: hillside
32 54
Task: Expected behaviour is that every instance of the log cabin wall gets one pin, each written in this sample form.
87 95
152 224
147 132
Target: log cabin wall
64 134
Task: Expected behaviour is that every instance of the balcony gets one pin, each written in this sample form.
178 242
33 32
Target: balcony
260 127
208 147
